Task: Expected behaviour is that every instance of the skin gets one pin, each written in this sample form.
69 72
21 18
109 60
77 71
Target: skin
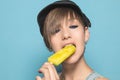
75 67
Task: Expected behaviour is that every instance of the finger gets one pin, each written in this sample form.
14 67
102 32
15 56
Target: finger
55 72
51 71
38 78
45 72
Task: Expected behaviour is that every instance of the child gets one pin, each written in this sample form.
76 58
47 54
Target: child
62 23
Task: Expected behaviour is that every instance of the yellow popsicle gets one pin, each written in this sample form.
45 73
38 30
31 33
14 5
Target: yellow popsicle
58 57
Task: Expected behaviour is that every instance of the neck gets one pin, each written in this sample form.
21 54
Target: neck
79 70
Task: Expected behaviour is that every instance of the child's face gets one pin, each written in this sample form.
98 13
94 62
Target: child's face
71 32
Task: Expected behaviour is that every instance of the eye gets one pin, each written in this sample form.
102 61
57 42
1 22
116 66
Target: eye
73 26
57 30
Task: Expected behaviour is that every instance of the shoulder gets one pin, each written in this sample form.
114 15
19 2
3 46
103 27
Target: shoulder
102 78
96 76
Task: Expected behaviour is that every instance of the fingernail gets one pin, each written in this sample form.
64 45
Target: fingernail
38 78
46 63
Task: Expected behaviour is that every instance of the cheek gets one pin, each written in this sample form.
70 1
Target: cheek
79 36
54 42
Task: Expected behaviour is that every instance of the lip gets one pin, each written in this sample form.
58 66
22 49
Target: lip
68 44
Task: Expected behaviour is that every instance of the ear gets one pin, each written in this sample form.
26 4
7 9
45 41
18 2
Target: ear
87 34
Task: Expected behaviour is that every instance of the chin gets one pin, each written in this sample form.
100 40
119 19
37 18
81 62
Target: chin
76 57
71 60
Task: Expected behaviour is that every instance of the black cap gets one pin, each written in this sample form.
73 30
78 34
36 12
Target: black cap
66 3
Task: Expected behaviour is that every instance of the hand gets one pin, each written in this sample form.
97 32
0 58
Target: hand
49 72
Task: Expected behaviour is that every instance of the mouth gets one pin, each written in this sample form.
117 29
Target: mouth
69 44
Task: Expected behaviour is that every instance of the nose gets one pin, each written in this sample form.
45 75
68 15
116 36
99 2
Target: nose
66 35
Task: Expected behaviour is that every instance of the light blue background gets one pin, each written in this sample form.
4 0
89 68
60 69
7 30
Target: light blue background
22 50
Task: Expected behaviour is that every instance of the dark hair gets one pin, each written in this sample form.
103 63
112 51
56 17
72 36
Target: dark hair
64 4
55 19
